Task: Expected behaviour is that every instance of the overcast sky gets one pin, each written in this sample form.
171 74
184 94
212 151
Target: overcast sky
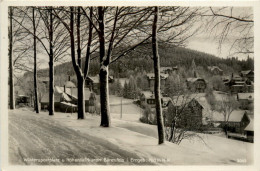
202 41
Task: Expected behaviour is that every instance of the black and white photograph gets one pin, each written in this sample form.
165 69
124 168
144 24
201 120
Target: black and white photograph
128 85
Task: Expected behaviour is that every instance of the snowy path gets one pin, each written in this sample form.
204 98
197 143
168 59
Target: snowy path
35 137
63 136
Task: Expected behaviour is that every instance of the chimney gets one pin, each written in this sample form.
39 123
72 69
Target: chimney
64 89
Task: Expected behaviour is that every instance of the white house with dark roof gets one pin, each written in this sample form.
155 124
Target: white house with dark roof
246 100
168 70
215 70
248 74
196 84
151 79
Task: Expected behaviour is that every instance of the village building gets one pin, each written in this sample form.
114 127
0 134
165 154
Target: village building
246 100
148 98
234 123
66 98
21 98
151 79
247 74
73 94
238 84
168 70
249 127
215 70
189 110
196 84
93 83
59 96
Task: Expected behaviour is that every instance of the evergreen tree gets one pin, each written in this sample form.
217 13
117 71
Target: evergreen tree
125 90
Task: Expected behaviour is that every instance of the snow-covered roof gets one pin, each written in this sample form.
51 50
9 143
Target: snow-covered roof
166 99
245 96
246 72
74 92
58 95
70 84
250 126
237 77
184 99
235 116
214 67
148 94
95 79
152 76
69 104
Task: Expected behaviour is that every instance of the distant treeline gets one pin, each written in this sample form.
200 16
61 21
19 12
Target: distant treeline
140 60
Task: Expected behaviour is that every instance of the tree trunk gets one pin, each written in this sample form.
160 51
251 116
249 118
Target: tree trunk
11 79
104 98
157 92
76 67
51 68
81 97
172 130
103 73
35 66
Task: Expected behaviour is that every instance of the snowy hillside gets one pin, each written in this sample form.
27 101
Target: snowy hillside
63 137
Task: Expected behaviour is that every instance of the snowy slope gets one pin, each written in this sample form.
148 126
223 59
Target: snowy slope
126 139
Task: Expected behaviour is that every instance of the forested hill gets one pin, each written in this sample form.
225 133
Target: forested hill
140 60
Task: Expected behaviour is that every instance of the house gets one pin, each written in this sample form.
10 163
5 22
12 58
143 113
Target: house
196 84
247 74
110 79
249 129
188 110
73 94
59 96
151 78
165 101
22 100
233 123
238 84
215 70
246 100
148 98
168 70
65 98
93 84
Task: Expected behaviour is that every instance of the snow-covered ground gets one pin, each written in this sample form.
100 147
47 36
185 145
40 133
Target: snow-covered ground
62 136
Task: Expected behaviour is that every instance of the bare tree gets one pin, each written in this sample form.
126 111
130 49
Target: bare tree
233 25
157 88
116 25
35 63
179 123
49 32
81 72
226 106
11 79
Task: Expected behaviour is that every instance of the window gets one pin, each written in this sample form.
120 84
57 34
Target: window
150 101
